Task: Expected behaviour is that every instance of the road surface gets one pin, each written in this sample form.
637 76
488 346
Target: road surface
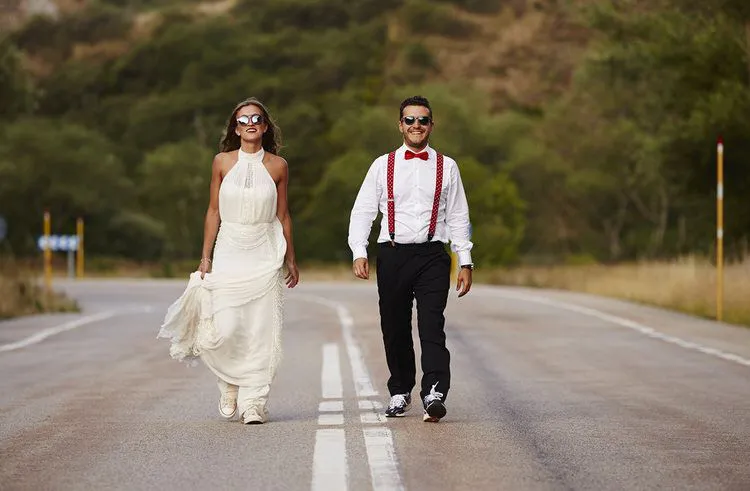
550 391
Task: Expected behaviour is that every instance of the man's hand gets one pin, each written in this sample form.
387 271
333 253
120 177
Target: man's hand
463 284
361 268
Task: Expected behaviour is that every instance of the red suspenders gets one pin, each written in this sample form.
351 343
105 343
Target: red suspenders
435 202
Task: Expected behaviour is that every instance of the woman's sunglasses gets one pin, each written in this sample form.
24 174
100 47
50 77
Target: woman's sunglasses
247 120
410 120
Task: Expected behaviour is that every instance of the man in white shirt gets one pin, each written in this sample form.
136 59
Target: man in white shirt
420 193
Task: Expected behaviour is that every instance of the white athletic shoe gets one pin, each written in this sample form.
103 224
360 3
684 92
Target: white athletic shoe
227 406
254 416
434 407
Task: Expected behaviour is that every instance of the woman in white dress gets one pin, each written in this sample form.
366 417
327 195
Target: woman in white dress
230 314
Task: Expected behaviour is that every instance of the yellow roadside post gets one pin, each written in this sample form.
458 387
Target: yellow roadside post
720 231
47 252
79 251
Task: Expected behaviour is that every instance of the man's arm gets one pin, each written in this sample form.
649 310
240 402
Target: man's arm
363 213
457 219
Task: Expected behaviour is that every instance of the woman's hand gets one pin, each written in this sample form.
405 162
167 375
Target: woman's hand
292 274
204 267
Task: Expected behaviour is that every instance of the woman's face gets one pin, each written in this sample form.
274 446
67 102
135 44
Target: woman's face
251 124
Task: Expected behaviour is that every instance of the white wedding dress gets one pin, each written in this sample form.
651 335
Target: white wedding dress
232 318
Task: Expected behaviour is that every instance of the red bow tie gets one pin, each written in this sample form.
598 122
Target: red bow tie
410 155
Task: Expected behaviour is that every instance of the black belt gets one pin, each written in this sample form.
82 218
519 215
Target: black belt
435 244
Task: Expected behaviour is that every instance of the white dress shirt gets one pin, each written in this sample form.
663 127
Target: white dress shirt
413 193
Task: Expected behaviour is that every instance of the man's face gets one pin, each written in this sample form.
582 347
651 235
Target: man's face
416 125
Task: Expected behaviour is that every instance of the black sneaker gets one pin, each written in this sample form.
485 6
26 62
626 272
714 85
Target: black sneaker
398 406
434 408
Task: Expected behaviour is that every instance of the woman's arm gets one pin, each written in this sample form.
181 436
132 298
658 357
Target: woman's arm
285 218
211 223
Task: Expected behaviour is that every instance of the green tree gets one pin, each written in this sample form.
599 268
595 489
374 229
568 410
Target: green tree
174 191
16 94
66 169
496 212
633 141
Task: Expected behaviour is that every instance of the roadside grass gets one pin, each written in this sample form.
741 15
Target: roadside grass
686 285
23 293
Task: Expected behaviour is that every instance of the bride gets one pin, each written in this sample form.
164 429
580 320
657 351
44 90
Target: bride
230 314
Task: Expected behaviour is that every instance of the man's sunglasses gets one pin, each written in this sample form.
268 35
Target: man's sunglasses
410 120
247 120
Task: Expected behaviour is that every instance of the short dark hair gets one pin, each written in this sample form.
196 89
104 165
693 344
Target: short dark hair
416 100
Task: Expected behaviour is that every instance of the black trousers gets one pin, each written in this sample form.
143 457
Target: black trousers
406 272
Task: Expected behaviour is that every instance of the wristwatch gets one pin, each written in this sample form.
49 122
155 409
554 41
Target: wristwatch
470 267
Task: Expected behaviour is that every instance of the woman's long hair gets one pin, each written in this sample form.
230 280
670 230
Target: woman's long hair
230 140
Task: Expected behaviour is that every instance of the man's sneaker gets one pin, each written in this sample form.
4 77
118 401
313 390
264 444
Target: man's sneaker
227 406
434 409
398 406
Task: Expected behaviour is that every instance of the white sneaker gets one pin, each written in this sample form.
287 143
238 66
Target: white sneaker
434 407
227 406
254 416
400 403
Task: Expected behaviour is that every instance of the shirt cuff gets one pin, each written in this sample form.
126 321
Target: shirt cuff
360 252
464 257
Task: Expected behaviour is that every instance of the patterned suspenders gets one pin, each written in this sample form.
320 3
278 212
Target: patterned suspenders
435 202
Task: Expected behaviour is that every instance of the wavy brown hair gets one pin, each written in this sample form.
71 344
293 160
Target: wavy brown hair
230 140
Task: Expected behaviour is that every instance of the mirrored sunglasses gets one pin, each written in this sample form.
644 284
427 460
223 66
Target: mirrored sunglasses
252 119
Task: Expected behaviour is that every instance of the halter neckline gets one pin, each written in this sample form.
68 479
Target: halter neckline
258 156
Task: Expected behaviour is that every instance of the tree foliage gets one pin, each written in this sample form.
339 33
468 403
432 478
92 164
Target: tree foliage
620 166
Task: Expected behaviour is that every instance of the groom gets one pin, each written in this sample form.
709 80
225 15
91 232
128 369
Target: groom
420 193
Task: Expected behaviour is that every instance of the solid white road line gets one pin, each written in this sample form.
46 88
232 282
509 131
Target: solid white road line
620 321
331 372
68 326
362 381
329 461
381 455
382 459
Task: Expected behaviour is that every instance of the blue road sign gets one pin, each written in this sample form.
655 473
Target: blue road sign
59 242
3 227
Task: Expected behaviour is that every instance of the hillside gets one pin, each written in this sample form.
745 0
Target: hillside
522 54
584 128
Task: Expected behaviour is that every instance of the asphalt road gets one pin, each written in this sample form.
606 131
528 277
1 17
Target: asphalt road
550 391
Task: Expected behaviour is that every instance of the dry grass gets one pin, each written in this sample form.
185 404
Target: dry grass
520 55
216 7
21 294
687 285
105 50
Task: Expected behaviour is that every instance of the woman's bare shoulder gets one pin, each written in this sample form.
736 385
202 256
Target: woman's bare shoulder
276 166
277 162
223 161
